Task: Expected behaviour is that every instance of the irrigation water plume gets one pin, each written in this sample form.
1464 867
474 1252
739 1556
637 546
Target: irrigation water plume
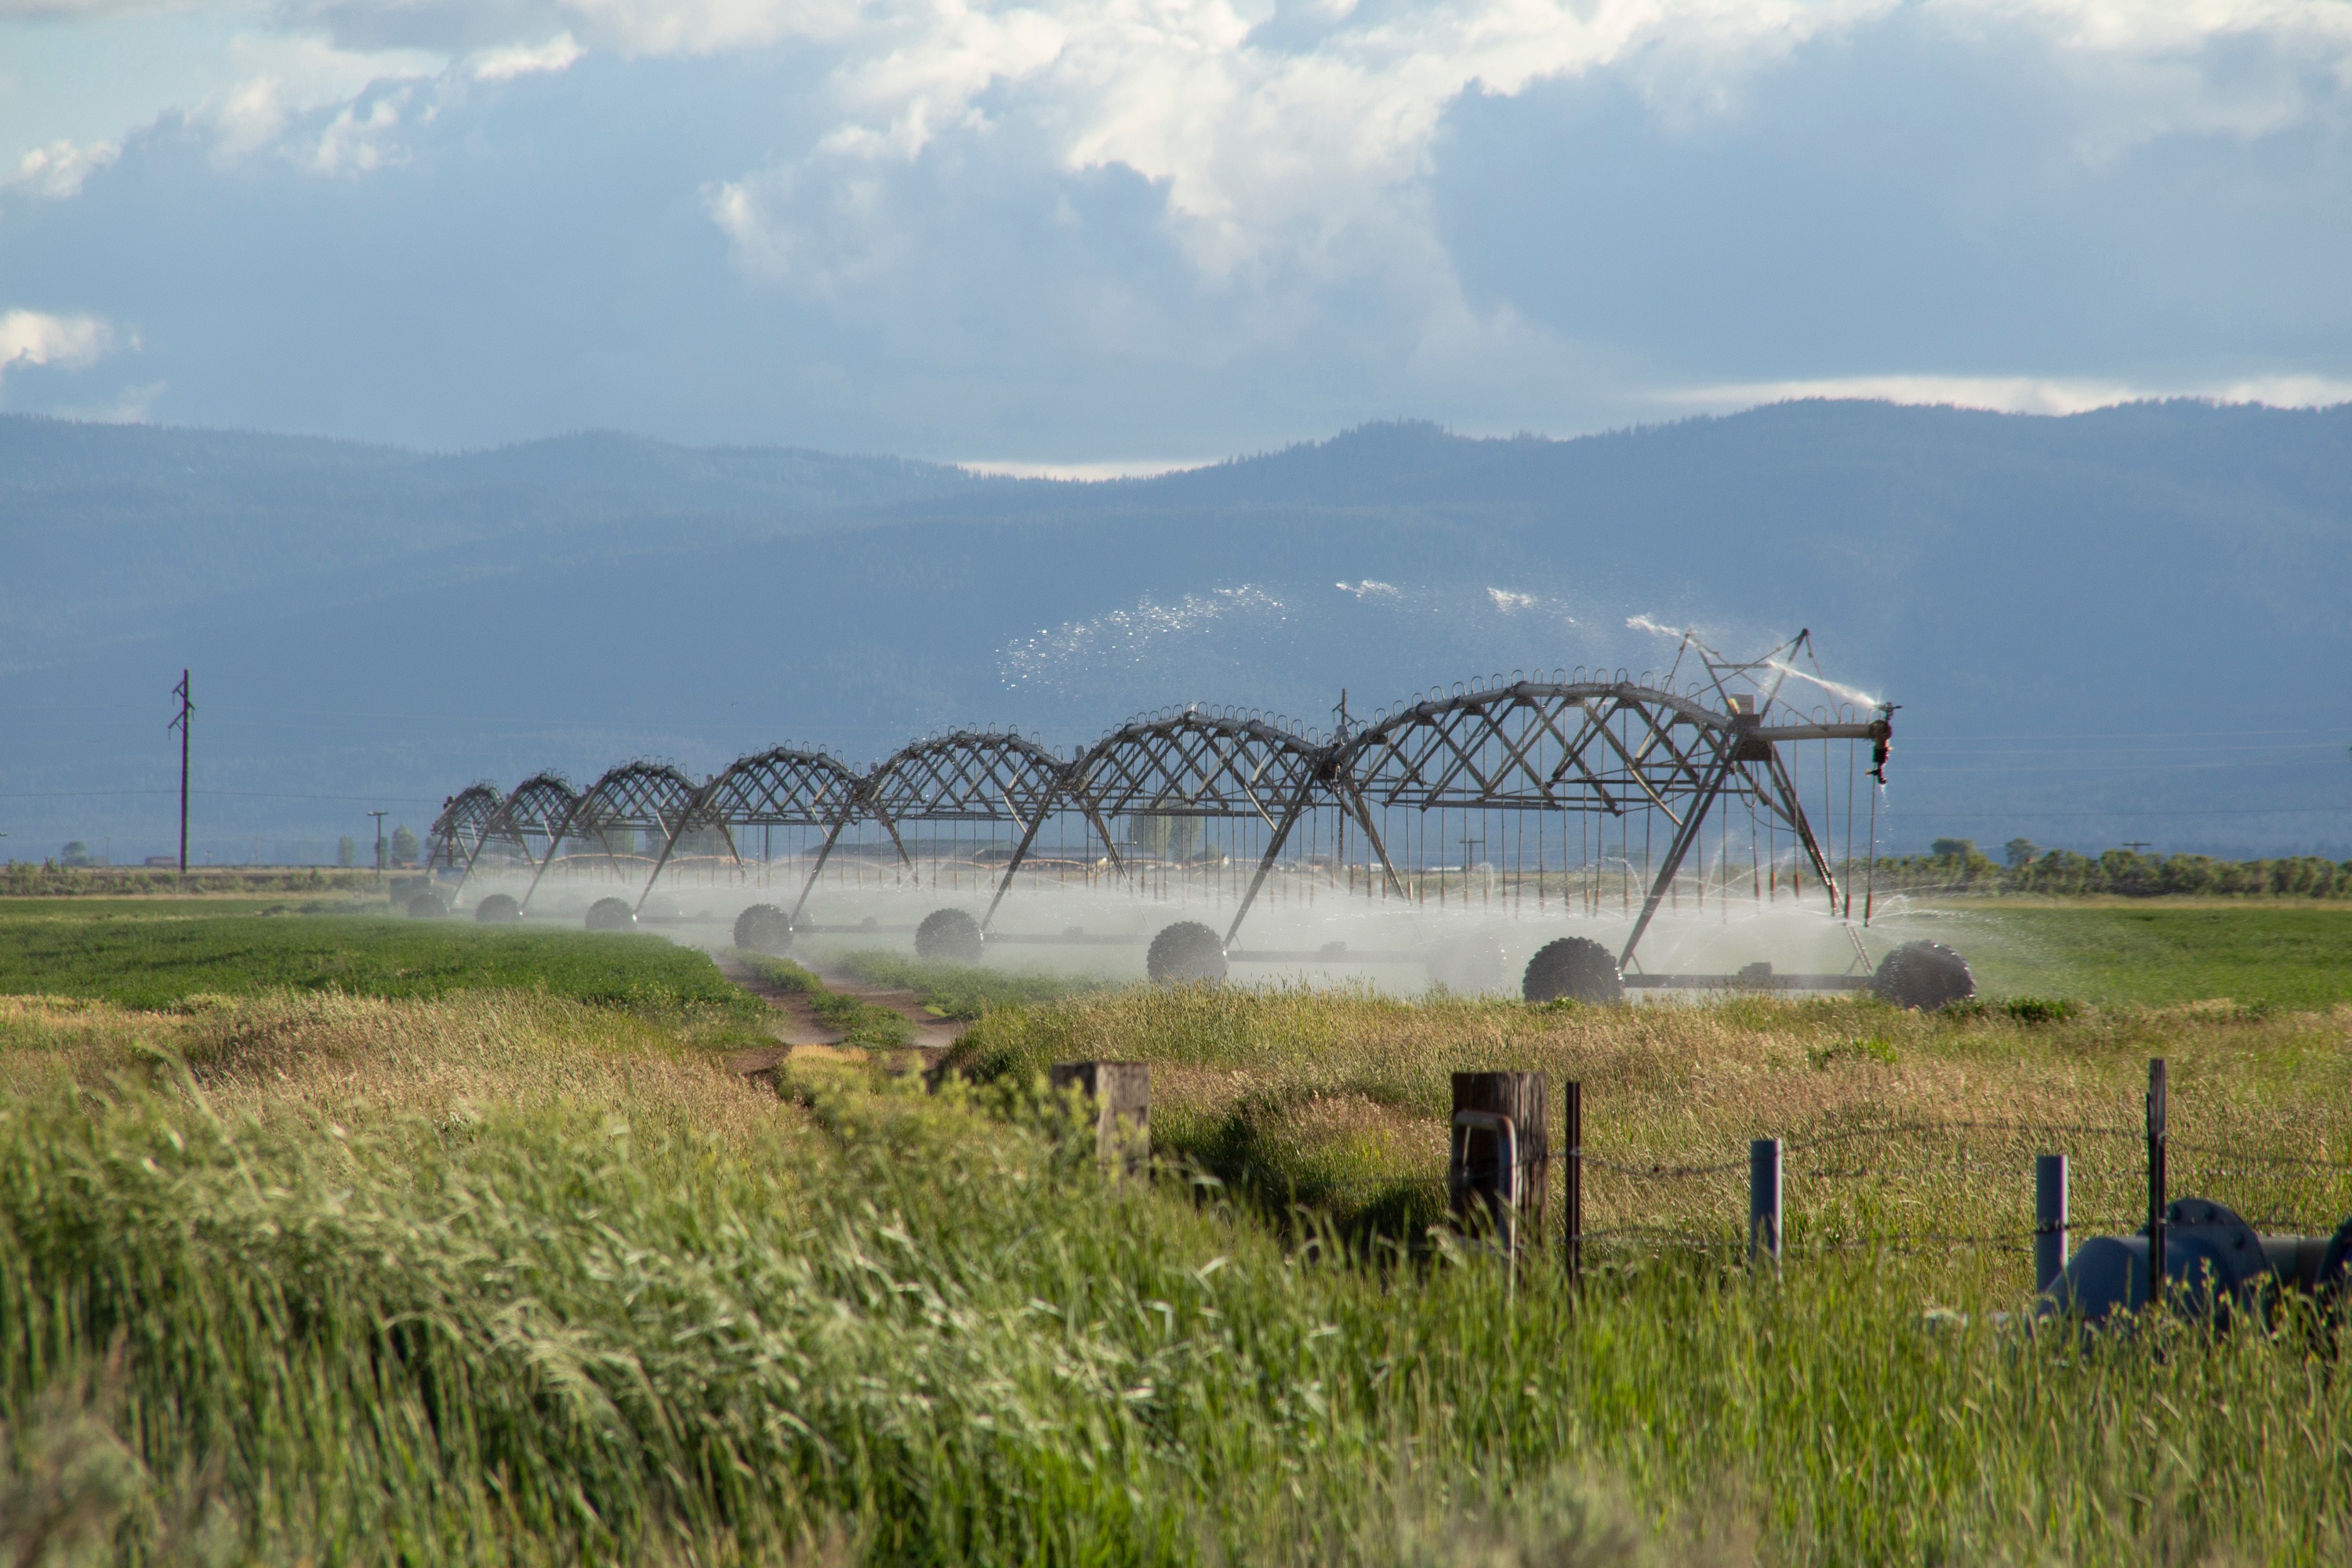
1438 833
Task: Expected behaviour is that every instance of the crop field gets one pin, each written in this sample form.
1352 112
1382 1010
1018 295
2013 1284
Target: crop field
150 956
2287 953
501 1268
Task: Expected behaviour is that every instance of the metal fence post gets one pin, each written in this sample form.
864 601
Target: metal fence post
2155 1180
1573 1180
1764 1200
2049 1219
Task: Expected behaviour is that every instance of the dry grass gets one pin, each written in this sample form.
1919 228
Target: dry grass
1323 1097
500 1278
355 1060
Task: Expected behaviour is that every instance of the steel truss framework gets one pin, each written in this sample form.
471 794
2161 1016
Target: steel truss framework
635 797
535 811
1708 736
466 818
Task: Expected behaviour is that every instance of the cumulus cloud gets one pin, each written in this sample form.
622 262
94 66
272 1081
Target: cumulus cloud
1289 151
981 225
2019 394
36 338
57 169
505 63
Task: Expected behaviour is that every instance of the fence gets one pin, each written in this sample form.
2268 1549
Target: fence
1499 1183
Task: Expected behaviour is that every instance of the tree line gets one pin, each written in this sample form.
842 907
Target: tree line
1957 866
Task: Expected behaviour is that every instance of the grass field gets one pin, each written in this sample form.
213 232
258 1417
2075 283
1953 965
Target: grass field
962 990
496 1275
153 956
2286 954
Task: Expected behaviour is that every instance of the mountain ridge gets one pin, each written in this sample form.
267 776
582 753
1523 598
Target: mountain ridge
2147 570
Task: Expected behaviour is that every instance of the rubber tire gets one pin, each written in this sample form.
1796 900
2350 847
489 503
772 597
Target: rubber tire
427 906
2336 1265
612 914
1573 968
499 908
1923 974
1471 966
763 928
948 936
1186 953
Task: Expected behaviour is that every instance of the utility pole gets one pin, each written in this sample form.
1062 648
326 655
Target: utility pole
187 707
379 816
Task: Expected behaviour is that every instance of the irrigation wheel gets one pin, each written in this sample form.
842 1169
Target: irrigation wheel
949 936
763 928
1575 968
611 914
499 908
427 906
1923 974
1187 952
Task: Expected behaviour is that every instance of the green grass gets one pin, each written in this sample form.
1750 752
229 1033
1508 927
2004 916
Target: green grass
1341 1102
630 1308
141 961
2285 955
964 991
861 1023
170 907
467 1270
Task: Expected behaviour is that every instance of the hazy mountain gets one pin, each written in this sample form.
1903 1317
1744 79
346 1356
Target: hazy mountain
2123 625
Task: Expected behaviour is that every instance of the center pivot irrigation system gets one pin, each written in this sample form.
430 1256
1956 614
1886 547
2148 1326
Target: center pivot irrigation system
1587 794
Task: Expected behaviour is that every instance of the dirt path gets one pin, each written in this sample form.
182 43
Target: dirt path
803 1031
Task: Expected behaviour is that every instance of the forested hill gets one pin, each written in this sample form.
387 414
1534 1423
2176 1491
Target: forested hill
2127 625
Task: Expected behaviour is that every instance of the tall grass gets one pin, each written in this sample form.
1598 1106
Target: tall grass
1900 1124
965 990
502 1279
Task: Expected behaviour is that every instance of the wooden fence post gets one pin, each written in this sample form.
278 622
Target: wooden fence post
1571 1190
1121 1094
1500 1171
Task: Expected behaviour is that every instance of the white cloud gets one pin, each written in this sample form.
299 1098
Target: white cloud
1291 157
2015 394
35 337
1113 468
558 53
333 110
58 169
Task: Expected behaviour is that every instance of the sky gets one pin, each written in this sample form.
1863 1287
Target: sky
1112 236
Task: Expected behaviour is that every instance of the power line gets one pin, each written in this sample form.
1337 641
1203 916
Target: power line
2023 812
216 793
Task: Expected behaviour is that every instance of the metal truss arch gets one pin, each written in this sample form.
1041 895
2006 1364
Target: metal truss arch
635 797
536 808
1661 752
456 833
784 787
979 775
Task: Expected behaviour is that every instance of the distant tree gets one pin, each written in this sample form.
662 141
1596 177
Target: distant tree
2022 852
75 854
1170 838
1952 849
403 844
347 851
